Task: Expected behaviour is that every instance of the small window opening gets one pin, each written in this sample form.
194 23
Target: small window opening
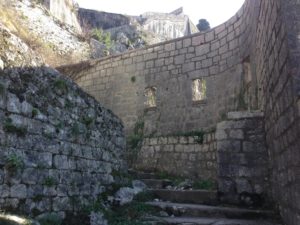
150 95
199 90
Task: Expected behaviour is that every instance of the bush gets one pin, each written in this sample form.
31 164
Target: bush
103 37
203 25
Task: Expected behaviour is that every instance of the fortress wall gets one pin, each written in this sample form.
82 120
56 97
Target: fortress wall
217 56
277 67
250 61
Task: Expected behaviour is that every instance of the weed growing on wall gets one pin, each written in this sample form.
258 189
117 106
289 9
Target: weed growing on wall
134 141
50 219
61 85
34 112
11 128
133 79
14 162
49 182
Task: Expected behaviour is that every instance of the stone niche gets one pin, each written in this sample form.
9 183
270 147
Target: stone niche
242 157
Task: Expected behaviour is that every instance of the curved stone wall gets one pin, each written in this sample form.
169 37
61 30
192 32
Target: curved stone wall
216 56
249 62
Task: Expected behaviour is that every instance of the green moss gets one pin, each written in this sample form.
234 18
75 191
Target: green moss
34 112
37 198
49 182
50 219
11 128
133 79
87 120
61 85
131 214
14 162
204 184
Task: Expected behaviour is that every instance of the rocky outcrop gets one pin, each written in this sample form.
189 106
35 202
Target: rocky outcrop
132 32
65 11
168 25
103 20
57 42
14 52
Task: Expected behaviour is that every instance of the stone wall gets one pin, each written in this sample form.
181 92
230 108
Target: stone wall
216 56
242 156
192 157
277 69
249 62
58 146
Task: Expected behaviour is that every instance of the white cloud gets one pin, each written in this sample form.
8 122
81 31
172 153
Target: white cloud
215 11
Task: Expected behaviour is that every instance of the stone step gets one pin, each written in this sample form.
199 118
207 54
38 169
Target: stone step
157 183
208 221
193 210
187 196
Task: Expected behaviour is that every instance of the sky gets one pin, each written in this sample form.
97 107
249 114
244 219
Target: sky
215 11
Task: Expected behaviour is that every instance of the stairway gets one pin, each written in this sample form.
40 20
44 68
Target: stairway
198 207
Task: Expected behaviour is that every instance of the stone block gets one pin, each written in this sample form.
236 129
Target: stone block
183 140
202 49
18 191
188 67
210 36
179 59
198 40
61 162
236 134
243 185
153 141
244 115
221 134
179 148
13 103
187 42
229 146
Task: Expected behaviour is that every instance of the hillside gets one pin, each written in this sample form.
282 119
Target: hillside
61 33
55 42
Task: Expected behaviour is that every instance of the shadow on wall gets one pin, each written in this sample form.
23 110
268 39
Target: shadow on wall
58 145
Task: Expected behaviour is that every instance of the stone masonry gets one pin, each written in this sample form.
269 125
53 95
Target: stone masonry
249 62
242 158
180 156
58 146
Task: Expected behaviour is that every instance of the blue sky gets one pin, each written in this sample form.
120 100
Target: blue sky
215 11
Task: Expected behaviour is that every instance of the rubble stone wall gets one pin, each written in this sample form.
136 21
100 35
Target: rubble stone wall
58 145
